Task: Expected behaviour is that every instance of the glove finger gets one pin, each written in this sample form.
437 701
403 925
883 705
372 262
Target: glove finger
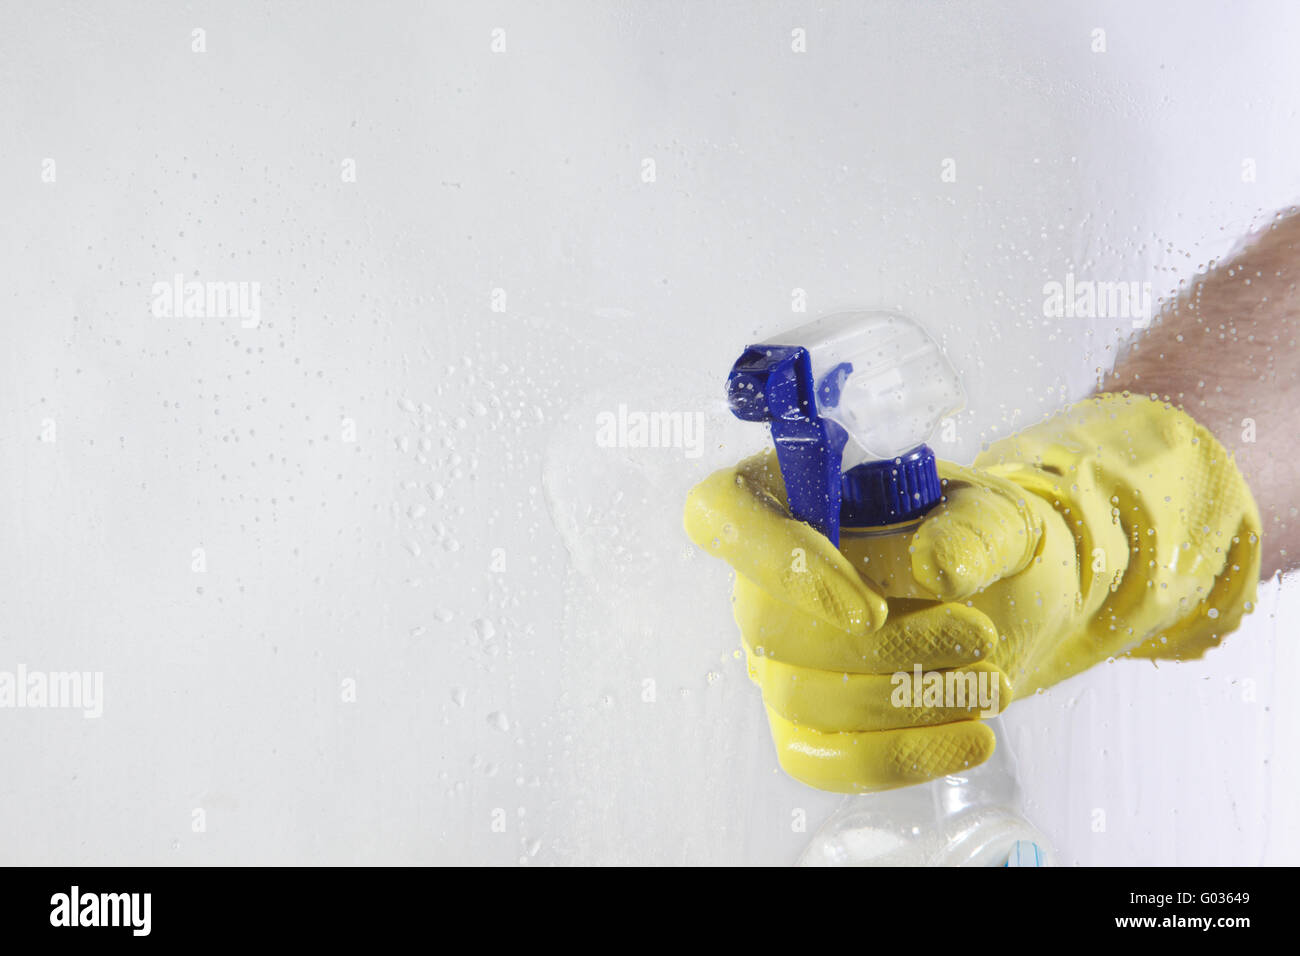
934 635
738 514
982 532
879 760
836 703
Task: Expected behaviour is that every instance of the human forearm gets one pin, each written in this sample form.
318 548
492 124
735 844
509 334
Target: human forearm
1228 352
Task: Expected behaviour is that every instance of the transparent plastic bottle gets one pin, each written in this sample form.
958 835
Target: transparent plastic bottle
889 570
850 400
970 819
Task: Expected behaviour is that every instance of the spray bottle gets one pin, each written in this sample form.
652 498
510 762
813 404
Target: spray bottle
851 400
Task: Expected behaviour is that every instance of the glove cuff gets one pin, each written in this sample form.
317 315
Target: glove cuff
1167 533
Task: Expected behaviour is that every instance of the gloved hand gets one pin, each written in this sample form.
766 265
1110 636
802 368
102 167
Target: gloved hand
1119 527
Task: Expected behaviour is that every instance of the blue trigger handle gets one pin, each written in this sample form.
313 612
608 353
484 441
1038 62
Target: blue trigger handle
774 384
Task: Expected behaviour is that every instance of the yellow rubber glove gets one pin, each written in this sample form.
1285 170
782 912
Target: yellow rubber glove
1119 527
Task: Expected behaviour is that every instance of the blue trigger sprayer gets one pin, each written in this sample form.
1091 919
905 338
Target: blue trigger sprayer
851 400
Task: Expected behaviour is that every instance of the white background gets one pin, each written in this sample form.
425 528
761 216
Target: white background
518 695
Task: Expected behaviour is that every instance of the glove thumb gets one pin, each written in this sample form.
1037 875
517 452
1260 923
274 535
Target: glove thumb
983 531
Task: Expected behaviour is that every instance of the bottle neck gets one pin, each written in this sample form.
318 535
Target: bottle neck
992 782
881 530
